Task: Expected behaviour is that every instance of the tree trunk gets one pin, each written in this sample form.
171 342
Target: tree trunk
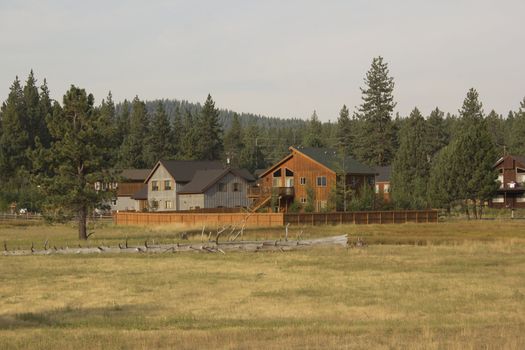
466 210
82 218
475 209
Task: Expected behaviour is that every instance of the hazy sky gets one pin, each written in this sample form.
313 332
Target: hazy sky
279 58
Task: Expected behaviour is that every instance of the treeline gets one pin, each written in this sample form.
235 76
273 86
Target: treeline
438 160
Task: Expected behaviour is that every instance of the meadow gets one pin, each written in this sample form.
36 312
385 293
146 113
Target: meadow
454 285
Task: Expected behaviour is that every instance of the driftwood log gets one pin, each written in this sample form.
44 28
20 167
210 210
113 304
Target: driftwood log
208 247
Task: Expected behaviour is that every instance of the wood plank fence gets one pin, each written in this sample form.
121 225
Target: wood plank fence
362 217
199 219
276 219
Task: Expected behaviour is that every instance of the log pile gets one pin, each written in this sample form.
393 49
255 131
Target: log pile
208 247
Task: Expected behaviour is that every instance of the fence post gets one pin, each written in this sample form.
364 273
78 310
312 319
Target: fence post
367 217
380 217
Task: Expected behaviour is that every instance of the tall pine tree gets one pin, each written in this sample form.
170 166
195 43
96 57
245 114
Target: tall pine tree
159 143
209 132
374 144
132 150
76 160
411 166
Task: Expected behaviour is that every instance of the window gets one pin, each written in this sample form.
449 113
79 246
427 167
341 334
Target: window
221 187
276 178
377 188
521 199
154 185
167 185
386 188
236 187
168 205
498 199
302 181
303 200
321 181
323 204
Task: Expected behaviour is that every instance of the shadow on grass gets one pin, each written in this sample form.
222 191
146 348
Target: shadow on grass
117 316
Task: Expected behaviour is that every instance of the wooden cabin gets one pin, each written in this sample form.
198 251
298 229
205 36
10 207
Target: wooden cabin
511 176
318 169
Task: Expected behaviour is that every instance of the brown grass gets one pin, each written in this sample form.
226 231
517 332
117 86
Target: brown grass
463 289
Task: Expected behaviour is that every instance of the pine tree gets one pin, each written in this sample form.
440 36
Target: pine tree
252 156
233 142
159 143
474 155
46 110
517 133
411 166
177 130
189 138
374 144
344 131
209 132
132 150
496 128
437 135
122 121
33 114
313 136
107 112
76 160
442 188
14 141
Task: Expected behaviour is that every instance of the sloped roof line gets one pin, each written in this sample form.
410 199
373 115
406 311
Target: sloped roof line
204 179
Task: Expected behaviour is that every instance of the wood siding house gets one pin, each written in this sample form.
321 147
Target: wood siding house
217 188
175 185
318 169
511 176
168 177
129 182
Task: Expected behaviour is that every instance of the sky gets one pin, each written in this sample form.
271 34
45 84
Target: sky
276 58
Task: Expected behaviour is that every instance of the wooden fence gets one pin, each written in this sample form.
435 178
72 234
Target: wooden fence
199 219
362 217
276 219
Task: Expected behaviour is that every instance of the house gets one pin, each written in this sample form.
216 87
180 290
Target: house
309 170
511 176
216 188
383 182
141 198
194 184
131 180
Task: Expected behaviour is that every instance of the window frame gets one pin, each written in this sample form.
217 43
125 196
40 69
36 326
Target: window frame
321 183
154 186
302 181
168 187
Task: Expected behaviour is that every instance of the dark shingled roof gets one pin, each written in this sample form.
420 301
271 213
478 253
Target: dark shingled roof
331 159
204 179
384 173
184 170
141 194
134 174
520 159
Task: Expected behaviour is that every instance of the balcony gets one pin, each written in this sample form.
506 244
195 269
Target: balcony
283 192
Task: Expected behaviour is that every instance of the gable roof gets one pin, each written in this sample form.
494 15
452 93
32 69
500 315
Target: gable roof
184 170
330 158
383 173
134 174
520 159
204 179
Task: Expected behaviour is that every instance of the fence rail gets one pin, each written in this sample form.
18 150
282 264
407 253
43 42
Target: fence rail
194 219
277 219
362 217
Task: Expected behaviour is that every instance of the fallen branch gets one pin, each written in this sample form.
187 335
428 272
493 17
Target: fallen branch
210 247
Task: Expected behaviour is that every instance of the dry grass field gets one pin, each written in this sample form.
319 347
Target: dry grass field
456 285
